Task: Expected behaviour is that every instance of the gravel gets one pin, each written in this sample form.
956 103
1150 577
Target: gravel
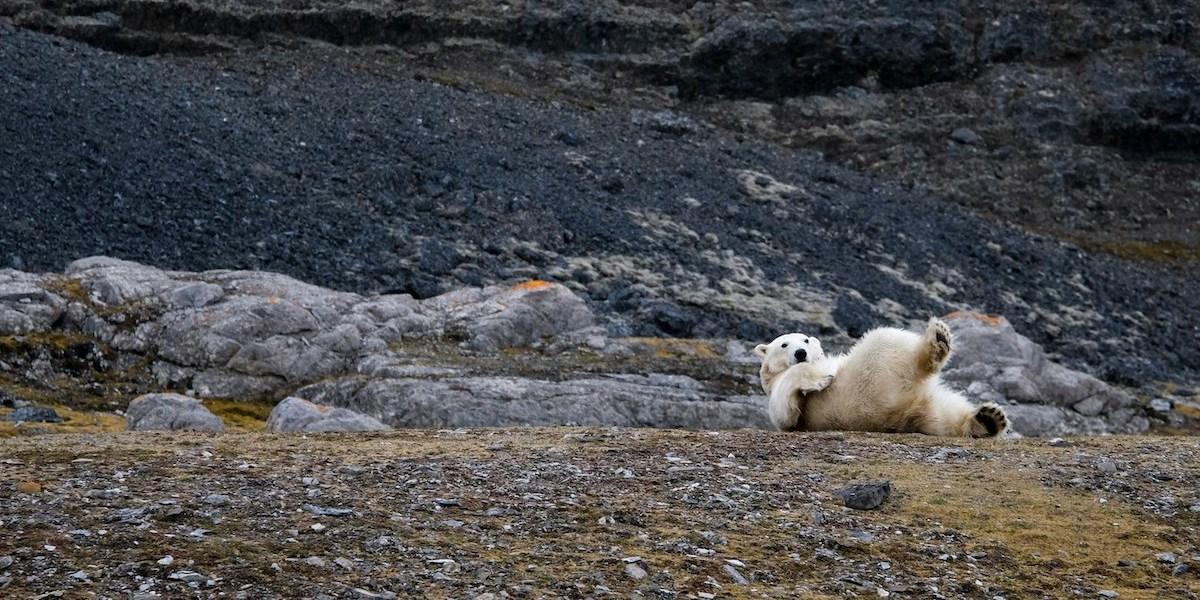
526 515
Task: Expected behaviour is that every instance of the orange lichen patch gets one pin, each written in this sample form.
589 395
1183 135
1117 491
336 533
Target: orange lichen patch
986 319
532 285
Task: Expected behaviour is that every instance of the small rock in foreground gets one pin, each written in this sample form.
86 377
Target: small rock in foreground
736 576
865 496
216 499
635 571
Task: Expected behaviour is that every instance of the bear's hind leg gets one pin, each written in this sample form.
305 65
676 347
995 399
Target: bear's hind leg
935 347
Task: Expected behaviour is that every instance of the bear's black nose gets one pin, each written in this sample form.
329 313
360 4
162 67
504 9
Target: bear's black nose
801 354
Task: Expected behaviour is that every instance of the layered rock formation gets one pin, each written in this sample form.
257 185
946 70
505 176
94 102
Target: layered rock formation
526 354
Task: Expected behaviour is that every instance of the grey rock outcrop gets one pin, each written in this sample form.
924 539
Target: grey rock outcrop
994 363
26 305
236 334
170 412
297 414
459 400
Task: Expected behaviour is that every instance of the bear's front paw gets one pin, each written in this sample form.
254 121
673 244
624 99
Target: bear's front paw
819 384
989 421
938 339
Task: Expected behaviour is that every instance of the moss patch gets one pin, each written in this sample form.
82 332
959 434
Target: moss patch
241 416
74 421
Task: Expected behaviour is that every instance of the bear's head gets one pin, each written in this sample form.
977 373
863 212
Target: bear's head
787 350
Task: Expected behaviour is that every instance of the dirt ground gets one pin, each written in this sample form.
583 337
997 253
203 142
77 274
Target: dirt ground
582 512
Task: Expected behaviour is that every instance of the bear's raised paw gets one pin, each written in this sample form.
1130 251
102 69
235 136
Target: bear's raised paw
938 341
989 421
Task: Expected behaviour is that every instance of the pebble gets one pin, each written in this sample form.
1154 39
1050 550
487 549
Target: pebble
107 494
187 576
1107 594
317 527
361 593
862 536
344 563
1180 569
635 571
735 575
6 561
966 136
946 453
216 499
1058 443
1106 466
166 561
1166 557
865 496
314 561
326 511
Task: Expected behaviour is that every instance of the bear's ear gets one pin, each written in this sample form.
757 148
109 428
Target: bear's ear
761 350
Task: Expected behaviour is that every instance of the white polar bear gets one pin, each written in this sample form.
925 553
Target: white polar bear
887 382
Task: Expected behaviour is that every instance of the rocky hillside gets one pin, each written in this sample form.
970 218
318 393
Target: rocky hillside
582 512
688 169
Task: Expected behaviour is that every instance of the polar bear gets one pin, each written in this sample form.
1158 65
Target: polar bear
887 382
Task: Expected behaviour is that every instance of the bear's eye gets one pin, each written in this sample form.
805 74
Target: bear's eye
784 345
807 340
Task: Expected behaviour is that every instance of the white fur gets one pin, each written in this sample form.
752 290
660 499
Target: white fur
887 382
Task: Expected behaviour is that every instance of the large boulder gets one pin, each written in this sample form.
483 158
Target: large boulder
170 412
995 363
296 414
450 399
